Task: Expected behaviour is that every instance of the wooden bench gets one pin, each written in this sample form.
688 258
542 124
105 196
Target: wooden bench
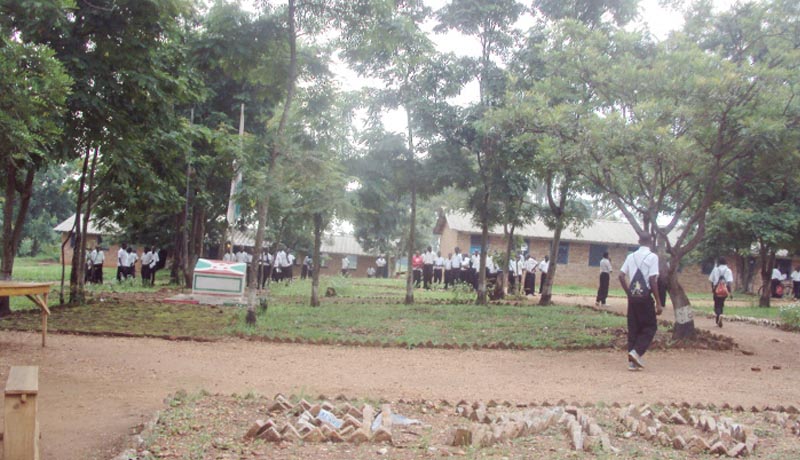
21 436
37 292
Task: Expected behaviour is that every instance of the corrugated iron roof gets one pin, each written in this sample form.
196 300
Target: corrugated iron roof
342 244
95 228
597 231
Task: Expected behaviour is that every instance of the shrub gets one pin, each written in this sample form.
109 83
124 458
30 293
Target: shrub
790 316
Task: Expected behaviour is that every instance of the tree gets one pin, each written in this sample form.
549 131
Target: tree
488 22
34 86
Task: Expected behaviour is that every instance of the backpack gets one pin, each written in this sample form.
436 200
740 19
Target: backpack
639 288
779 290
721 289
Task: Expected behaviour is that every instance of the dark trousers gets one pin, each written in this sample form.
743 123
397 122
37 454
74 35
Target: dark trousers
304 272
530 283
417 277
719 305
512 282
288 273
120 272
263 274
796 288
541 284
473 276
427 275
602 291
97 273
145 275
642 324
153 275
437 274
448 278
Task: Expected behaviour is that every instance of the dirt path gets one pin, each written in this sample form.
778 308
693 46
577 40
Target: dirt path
94 389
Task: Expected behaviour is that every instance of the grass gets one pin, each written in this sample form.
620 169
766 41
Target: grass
752 312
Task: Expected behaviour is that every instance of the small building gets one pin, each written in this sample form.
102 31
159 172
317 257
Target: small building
579 252
335 247
98 234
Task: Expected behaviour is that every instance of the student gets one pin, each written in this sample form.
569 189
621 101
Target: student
448 270
147 257
638 277
544 266
417 264
512 275
438 268
98 262
605 276
88 276
465 274
796 282
345 265
371 272
281 262
380 263
455 266
530 275
428 259
475 263
133 256
305 271
290 258
266 263
154 265
122 262
777 277
720 274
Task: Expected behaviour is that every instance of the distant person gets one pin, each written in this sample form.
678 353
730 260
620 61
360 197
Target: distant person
147 258
428 259
530 275
777 278
305 271
544 266
721 279
465 274
455 266
281 263
448 270
290 258
438 269
122 262
133 256
382 269
97 265
371 272
228 256
796 282
417 265
155 265
605 277
638 276
345 266
474 265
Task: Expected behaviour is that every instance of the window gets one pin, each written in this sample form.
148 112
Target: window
474 244
563 253
596 254
353 262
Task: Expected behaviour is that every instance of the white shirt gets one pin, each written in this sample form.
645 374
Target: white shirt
490 264
439 262
530 265
290 259
721 271
777 275
122 258
476 261
345 263
512 266
605 265
448 265
228 257
132 258
380 262
465 263
147 257
645 260
455 261
544 266
281 260
796 276
241 257
428 258
520 266
99 258
154 260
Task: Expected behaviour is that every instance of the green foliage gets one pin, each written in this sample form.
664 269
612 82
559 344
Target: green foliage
790 316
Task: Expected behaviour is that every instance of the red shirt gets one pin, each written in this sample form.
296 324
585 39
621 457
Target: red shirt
416 262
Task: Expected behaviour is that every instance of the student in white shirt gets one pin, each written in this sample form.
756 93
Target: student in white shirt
122 262
132 258
605 277
720 274
281 262
643 304
455 265
530 275
448 270
438 268
777 277
380 263
796 282
147 257
428 258
345 265
290 258
544 266
154 266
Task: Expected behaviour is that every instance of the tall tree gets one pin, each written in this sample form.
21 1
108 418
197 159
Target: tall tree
34 88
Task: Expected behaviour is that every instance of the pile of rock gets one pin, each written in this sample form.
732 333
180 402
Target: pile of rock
323 422
727 437
497 424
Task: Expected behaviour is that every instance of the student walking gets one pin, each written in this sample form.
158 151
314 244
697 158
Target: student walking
796 282
721 279
605 277
641 271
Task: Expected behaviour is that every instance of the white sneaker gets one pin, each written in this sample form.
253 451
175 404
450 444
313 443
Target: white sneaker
632 367
634 358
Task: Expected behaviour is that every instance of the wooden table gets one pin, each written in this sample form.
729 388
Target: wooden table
37 292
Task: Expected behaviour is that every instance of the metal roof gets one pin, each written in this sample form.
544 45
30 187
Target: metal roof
342 244
105 227
597 231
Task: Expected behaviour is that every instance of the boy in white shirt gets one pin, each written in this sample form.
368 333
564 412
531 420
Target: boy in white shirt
720 274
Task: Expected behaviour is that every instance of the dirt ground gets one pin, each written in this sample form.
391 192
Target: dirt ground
94 389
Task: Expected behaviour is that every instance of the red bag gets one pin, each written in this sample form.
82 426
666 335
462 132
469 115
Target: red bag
721 290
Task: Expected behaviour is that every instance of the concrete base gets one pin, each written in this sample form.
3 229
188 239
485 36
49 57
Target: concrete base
199 299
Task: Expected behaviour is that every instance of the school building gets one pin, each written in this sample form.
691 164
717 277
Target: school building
98 234
579 252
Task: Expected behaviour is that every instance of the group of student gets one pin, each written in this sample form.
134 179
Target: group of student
431 268
126 264
278 268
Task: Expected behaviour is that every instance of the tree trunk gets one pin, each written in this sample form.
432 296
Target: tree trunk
12 228
684 317
547 291
177 257
195 246
409 300
316 260
76 292
767 264
86 216
482 298
509 250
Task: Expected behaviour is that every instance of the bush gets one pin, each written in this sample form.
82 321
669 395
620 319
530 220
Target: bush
790 316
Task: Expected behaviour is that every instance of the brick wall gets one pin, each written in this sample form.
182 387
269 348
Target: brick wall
91 242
